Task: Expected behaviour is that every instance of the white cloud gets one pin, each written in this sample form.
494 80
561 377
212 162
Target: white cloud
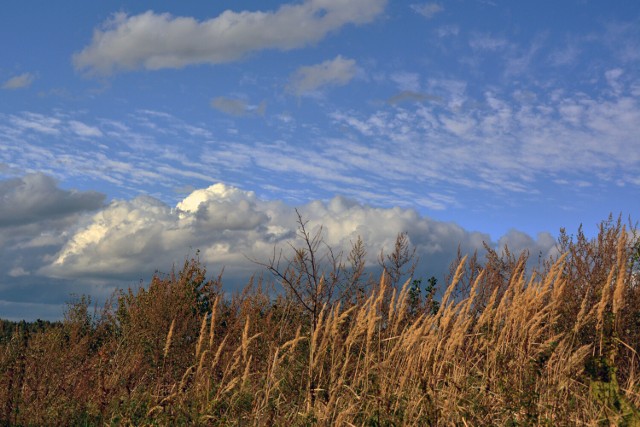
491 144
447 31
37 122
82 129
507 144
19 82
613 79
407 81
622 39
128 153
568 55
518 60
154 41
428 10
487 42
334 72
230 226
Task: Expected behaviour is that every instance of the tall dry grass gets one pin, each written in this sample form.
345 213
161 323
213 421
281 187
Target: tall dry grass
509 349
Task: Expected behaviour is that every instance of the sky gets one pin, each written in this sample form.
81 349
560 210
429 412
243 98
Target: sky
135 134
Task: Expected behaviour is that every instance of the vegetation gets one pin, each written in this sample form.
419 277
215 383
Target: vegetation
498 348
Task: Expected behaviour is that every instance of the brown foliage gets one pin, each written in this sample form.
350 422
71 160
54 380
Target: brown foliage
504 348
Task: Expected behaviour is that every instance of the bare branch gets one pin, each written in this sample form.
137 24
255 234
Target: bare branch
402 261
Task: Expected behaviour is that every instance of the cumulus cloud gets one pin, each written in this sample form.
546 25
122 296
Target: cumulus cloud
334 72
428 10
231 226
19 82
543 247
128 236
154 41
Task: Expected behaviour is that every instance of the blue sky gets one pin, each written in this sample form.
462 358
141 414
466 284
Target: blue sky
133 133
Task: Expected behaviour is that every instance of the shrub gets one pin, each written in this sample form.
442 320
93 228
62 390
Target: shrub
501 347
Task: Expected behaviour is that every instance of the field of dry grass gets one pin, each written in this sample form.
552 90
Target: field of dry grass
501 347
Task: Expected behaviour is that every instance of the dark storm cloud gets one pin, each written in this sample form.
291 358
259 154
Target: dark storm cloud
36 197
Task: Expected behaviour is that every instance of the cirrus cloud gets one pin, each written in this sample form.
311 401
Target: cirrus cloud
428 10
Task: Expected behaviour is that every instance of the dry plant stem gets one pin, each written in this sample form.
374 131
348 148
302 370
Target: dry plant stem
504 348
168 341
203 329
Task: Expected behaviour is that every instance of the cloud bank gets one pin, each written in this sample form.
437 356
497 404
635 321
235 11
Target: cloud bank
153 41
230 226
58 241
